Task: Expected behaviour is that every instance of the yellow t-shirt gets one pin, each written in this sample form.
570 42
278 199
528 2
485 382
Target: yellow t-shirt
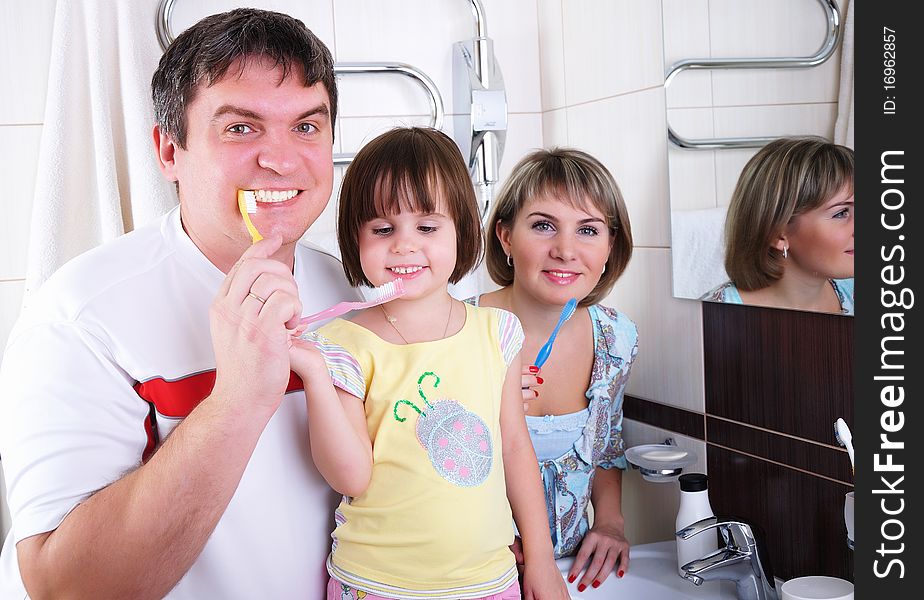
434 521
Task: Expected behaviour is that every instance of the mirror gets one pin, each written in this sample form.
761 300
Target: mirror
726 103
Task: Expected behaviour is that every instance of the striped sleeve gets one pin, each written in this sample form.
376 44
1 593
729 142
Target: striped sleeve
344 370
510 334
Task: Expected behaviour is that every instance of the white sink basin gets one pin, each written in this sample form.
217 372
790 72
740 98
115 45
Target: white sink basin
652 575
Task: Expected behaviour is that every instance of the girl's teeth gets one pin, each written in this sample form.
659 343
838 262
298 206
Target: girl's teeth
405 270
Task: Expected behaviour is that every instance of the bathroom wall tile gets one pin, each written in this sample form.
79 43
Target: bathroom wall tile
802 515
552 55
19 146
29 26
555 128
611 47
784 371
785 28
10 303
650 508
628 134
692 172
828 460
422 34
524 134
355 132
668 368
323 233
686 36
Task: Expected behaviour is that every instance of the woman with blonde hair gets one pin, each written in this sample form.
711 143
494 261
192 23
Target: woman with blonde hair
560 230
789 230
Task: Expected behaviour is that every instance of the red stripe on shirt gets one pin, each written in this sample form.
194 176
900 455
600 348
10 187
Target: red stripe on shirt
179 397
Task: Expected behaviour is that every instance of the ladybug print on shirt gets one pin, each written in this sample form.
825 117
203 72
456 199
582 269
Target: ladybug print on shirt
457 441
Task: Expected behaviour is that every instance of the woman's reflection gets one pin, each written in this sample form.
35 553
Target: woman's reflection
789 230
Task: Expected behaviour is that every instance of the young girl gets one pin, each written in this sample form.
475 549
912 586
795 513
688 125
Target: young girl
789 230
560 230
425 436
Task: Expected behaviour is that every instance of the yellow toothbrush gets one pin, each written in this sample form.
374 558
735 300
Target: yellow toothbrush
247 204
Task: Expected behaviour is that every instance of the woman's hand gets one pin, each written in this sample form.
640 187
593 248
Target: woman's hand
529 383
604 547
543 581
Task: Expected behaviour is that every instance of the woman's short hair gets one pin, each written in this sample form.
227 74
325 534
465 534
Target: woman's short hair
787 177
408 169
572 176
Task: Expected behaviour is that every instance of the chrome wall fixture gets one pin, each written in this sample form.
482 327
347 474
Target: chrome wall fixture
165 37
833 37
481 131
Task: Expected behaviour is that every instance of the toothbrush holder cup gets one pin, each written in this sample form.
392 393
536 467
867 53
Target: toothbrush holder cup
848 517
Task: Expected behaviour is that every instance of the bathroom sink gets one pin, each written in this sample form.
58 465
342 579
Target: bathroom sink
652 575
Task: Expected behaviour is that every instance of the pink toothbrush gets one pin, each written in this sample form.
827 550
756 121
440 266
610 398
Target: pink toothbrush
380 295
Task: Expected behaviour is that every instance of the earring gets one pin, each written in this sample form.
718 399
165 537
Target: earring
604 269
509 261
785 251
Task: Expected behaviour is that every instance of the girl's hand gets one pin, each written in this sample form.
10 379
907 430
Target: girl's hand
529 383
603 548
542 581
306 360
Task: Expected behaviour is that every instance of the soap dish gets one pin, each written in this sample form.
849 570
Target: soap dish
660 462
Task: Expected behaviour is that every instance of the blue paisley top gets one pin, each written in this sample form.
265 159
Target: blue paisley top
728 293
568 479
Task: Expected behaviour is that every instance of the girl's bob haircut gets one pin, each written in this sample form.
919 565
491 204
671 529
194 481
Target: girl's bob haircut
408 169
786 178
571 176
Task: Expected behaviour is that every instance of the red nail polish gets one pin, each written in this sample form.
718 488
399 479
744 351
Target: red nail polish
533 369
595 584
537 393
539 379
570 578
582 587
621 573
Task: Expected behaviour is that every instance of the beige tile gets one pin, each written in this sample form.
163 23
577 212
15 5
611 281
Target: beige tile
783 28
19 147
611 47
25 47
686 36
650 508
692 172
669 367
555 128
628 134
552 55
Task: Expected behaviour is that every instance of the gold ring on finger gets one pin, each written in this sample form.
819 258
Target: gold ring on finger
257 298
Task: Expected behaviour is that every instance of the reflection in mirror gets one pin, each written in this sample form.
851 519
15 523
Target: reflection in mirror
726 104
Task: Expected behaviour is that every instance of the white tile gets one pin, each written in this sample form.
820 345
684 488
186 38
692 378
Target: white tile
728 166
323 232
783 28
692 172
25 47
10 305
611 47
686 36
19 147
555 128
650 508
524 134
552 55
669 367
514 27
628 134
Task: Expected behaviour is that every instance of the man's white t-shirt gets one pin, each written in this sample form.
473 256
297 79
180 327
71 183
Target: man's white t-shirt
110 356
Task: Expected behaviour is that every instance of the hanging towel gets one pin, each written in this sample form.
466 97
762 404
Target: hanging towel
698 250
843 128
97 174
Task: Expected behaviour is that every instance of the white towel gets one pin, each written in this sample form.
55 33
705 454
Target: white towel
97 175
843 128
698 250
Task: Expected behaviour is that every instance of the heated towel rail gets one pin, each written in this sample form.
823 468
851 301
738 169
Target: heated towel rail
835 31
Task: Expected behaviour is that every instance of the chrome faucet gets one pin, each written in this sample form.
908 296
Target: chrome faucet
742 560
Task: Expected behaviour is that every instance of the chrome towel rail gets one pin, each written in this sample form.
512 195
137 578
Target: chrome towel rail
835 32
165 37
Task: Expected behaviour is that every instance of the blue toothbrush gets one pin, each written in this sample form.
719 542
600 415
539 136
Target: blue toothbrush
546 349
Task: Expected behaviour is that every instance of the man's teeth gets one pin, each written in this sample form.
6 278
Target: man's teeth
274 195
405 270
